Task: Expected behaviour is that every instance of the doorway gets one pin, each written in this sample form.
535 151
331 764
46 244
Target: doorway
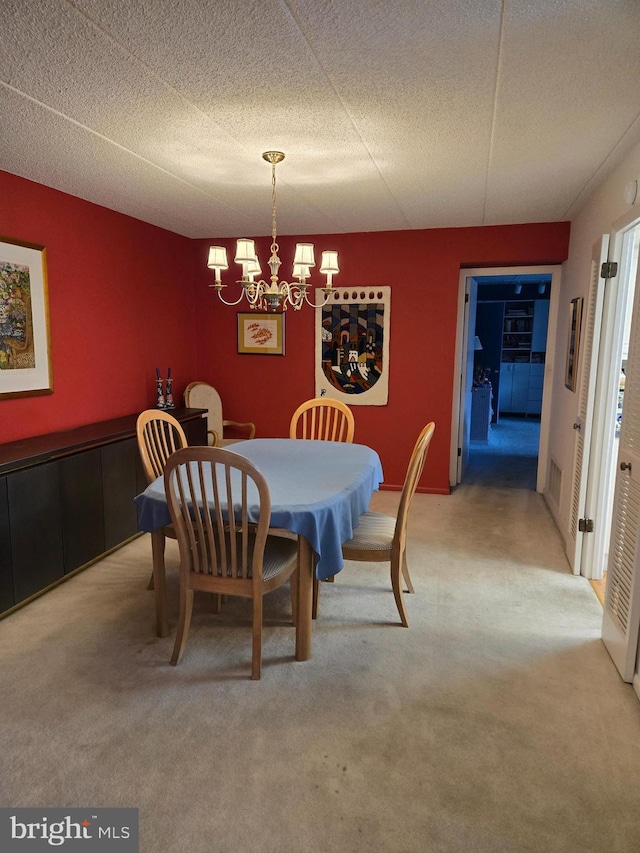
505 351
512 315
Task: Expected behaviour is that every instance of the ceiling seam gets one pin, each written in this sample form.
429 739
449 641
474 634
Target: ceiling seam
286 7
155 74
586 191
115 144
185 100
494 111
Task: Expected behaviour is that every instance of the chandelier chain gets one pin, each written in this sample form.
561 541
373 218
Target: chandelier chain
273 204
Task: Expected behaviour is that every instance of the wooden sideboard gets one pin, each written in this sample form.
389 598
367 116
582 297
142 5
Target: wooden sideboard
66 499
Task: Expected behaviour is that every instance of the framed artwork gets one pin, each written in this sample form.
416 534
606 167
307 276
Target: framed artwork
260 334
25 350
352 346
573 344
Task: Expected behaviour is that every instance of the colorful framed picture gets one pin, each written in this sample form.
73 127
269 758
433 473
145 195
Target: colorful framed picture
573 344
260 334
25 349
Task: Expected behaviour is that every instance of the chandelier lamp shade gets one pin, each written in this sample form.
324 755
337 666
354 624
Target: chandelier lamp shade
273 294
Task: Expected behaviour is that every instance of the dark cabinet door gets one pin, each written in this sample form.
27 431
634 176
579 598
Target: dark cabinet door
141 477
119 484
196 431
82 508
35 522
7 596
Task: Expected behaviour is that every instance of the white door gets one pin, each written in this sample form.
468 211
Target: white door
468 338
583 426
622 601
613 354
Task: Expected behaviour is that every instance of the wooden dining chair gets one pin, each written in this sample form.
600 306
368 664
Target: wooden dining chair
324 419
222 552
383 538
200 395
159 435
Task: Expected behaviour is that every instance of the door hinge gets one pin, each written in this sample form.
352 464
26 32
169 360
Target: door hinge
609 269
466 298
459 451
585 525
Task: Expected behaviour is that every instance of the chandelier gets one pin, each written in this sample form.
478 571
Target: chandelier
273 294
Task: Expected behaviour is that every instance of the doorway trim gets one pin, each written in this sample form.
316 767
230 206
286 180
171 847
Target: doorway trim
457 414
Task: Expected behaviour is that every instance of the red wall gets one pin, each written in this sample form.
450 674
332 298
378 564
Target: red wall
125 297
423 270
120 304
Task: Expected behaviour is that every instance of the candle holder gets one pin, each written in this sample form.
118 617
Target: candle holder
160 404
168 401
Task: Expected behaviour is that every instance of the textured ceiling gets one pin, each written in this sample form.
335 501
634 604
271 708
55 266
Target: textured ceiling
393 115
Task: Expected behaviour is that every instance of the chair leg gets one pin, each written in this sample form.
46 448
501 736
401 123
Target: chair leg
186 608
216 602
397 591
256 652
151 584
293 583
405 574
159 585
316 590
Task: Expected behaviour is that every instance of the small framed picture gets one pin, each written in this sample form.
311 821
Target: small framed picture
25 351
260 334
573 344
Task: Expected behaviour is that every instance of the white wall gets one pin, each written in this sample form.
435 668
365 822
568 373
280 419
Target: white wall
596 217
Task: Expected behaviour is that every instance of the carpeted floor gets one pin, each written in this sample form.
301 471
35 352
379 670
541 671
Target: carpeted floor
496 723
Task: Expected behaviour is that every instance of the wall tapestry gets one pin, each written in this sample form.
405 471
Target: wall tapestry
352 346
25 361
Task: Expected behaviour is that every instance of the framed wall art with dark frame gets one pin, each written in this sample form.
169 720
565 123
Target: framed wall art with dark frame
260 334
573 344
25 348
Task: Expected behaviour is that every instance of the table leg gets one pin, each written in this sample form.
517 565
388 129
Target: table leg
157 551
305 599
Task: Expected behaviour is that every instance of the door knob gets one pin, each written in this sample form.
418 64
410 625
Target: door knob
625 466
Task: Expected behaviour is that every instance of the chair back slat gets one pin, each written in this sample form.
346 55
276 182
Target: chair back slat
323 419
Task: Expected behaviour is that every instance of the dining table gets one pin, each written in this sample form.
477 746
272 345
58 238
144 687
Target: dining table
318 490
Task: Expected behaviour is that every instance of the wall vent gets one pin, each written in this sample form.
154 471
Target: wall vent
554 486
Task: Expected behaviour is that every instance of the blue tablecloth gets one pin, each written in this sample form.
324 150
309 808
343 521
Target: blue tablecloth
318 490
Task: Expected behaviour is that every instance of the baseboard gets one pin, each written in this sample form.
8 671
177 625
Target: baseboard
424 490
